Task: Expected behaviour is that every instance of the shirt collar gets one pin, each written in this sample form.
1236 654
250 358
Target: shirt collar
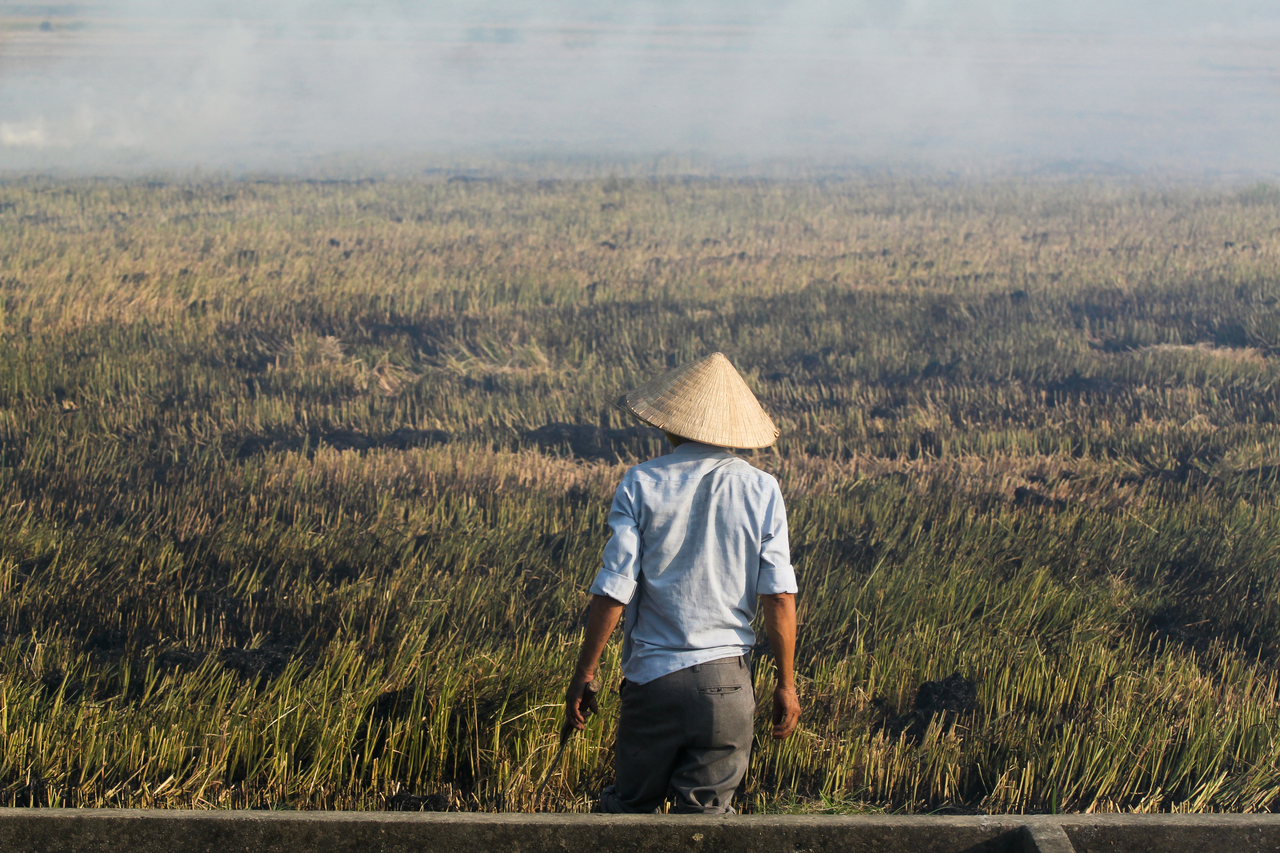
692 448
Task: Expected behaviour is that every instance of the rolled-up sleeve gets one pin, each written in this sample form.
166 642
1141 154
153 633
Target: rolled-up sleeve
617 577
776 573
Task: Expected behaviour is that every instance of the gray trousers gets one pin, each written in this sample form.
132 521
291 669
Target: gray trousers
688 732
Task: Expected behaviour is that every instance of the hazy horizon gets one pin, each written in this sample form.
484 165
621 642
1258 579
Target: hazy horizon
1125 87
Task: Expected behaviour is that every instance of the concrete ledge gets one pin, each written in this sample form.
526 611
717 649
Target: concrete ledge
141 831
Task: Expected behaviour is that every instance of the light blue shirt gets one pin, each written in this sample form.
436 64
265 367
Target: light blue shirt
697 535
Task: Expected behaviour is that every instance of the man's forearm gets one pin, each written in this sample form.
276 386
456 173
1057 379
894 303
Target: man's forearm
602 618
780 626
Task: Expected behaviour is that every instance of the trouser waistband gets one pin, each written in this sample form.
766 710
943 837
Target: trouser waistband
738 660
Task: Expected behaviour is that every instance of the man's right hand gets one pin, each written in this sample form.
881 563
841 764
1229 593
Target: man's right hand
786 712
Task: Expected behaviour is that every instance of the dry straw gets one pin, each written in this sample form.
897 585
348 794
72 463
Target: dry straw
705 400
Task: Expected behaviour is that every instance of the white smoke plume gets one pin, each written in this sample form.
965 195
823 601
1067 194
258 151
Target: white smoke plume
1129 85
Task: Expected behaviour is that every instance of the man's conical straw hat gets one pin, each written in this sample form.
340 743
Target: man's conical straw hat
705 400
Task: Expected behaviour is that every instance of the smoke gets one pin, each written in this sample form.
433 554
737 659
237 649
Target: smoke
1129 85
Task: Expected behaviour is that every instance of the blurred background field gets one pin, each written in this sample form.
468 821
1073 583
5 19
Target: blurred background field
304 483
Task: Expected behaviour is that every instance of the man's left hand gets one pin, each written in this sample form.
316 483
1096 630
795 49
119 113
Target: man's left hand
579 702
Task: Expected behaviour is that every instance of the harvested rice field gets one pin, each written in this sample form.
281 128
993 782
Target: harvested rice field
304 483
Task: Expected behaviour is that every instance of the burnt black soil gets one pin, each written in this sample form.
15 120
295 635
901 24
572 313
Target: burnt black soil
954 694
406 802
267 662
403 438
946 698
586 441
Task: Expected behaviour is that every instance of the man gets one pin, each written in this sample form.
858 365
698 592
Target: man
698 535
